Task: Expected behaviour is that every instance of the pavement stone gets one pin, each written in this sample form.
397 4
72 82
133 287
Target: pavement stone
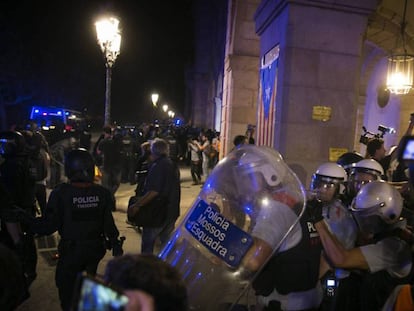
43 290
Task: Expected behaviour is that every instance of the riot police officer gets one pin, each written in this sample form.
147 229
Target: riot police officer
20 186
384 258
81 212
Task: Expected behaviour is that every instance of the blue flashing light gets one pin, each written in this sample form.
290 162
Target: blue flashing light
36 111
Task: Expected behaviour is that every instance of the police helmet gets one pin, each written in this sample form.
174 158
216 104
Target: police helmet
79 165
377 204
251 163
12 143
369 166
328 173
348 158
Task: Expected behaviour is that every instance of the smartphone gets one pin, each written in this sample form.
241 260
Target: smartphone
330 287
406 152
93 294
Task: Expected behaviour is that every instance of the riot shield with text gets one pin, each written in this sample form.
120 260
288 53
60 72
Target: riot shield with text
247 210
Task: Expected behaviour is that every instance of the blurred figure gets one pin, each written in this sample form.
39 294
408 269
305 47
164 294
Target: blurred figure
58 149
162 285
163 180
111 149
204 146
239 140
19 184
39 163
142 168
195 161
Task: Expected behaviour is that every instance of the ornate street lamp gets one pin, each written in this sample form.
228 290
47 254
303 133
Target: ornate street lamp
154 98
109 39
400 65
165 107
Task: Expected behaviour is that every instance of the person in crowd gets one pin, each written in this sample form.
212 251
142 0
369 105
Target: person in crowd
18 182
111 149
250 134
61 145
376 150
361 173
347 159
81 212
239 140
195 161
98 156
204 146
161 283
84 136
215 154
383 256
39 164
163 179
142 167
327 186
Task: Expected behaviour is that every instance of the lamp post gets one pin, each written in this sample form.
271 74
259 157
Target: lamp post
109 39
165 107
154 99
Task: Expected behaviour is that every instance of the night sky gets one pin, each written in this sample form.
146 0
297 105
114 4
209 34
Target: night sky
52 55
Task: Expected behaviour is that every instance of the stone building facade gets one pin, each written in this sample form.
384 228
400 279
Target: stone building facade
332 59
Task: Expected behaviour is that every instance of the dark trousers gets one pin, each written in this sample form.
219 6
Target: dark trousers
111 179
74 258
150 235
195 171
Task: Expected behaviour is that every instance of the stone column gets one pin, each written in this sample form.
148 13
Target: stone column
241 70
319 64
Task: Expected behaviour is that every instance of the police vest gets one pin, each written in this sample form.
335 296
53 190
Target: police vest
84 212
296 269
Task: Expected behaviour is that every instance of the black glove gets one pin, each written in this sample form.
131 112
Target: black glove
314 208
117 247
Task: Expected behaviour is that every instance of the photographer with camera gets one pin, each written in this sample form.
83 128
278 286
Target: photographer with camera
81 212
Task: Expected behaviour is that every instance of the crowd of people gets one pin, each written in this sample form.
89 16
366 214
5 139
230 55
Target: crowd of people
351 248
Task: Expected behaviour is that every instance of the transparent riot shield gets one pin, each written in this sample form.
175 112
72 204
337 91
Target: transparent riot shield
247 210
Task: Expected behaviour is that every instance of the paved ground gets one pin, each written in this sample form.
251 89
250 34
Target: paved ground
43 290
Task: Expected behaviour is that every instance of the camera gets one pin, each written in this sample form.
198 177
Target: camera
382 130
93 294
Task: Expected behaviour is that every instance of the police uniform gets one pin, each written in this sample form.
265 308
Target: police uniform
81 212
289 281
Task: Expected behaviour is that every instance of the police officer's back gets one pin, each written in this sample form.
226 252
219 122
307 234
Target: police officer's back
81 212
